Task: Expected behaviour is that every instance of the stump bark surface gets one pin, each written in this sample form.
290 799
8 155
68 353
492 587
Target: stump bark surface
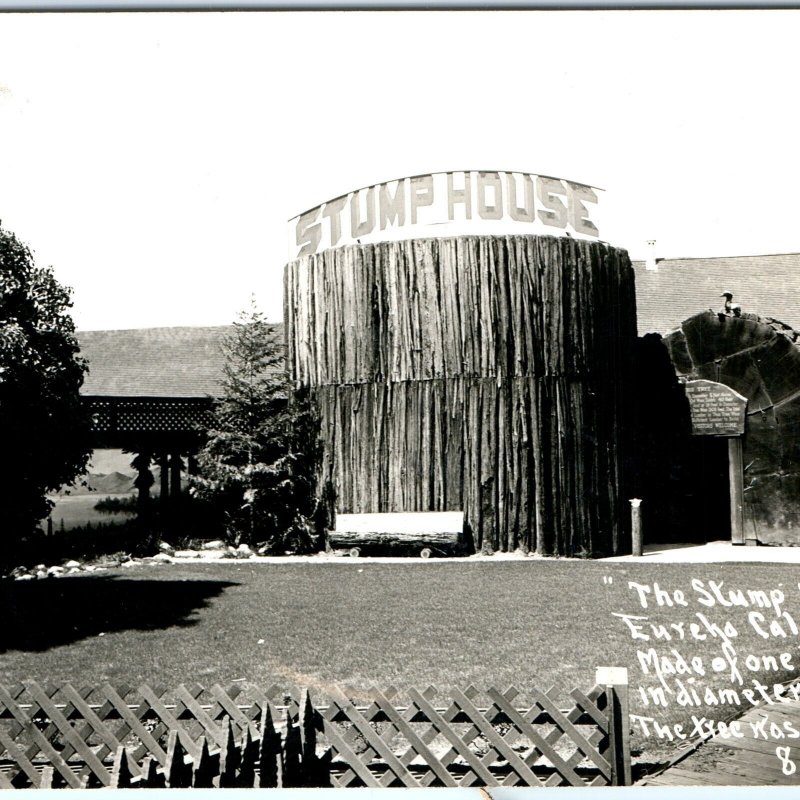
488 374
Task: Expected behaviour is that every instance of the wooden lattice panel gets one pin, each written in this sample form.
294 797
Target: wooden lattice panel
476 738
243 736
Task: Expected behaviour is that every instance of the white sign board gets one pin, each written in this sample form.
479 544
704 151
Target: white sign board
448 204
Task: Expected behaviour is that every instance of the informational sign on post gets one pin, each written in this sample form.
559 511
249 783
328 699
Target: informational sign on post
449 204
716 409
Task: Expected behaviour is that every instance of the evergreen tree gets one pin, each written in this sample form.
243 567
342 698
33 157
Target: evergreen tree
258 464
44 428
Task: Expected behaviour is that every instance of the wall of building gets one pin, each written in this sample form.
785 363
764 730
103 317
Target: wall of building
677 288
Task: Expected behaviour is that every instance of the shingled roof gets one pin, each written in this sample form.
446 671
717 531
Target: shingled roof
153 362
768 285
187 362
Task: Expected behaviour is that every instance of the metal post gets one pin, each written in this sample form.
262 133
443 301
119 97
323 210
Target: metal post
636 527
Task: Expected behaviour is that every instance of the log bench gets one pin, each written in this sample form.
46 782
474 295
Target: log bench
423 533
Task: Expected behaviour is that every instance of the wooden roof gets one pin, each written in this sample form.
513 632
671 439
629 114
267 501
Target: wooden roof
153 362
767 285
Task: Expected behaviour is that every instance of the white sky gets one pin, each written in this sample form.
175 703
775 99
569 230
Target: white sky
154 159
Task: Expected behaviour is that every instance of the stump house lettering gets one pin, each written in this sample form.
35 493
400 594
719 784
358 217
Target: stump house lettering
503 201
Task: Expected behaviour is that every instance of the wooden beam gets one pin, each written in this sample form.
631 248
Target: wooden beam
735 479
175 465
163 464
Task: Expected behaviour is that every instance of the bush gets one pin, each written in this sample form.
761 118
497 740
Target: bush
85 543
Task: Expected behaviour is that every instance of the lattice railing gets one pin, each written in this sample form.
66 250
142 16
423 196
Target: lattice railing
125 415
241 736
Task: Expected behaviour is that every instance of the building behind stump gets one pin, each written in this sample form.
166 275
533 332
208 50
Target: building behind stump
487 374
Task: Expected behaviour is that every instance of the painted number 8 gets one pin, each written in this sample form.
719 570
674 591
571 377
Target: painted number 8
787 765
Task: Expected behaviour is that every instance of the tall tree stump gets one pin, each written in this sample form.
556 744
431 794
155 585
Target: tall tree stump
487 374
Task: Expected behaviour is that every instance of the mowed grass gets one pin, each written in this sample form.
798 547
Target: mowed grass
528 623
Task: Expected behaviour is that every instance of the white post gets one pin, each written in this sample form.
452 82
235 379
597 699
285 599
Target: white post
615 679
636 527
650 263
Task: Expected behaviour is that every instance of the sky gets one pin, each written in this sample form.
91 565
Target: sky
154 159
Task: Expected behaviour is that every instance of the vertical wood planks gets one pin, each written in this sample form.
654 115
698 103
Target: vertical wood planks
487 374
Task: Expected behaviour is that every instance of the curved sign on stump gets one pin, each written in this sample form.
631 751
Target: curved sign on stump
716 409
448 204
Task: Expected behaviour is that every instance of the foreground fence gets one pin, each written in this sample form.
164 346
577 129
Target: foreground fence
239 736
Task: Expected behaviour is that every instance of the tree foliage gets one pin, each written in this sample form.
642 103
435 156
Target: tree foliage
44 428
259 461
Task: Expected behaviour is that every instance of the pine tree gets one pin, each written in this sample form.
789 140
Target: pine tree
258 464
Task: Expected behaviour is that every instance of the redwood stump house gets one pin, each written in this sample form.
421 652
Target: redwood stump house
485 374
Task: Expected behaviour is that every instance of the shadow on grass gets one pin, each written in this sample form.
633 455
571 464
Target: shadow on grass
37 615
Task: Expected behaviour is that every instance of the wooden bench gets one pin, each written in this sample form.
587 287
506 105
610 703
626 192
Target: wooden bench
422 532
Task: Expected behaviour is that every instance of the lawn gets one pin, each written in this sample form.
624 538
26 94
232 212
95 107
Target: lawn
533 622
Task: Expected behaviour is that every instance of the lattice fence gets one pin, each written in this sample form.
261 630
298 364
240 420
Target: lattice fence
62 736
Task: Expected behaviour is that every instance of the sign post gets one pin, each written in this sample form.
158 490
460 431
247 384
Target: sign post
737 490
718 410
